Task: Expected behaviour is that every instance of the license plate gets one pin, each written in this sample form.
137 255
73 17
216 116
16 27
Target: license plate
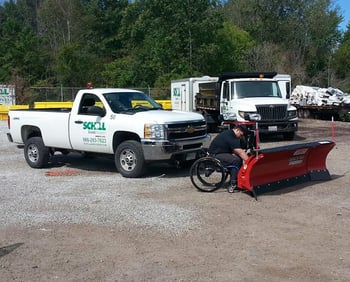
272 128
190 156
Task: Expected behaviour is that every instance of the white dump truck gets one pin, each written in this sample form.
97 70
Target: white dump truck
229 98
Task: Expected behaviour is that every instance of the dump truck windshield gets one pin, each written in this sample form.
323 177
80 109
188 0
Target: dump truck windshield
249 89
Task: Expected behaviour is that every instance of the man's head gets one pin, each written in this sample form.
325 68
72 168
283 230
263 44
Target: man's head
240 130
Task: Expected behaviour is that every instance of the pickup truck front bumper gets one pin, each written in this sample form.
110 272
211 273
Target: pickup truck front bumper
169 150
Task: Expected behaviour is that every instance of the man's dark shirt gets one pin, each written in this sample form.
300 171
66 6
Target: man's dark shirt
225 142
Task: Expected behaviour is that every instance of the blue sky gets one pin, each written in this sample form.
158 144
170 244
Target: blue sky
343 4
345 11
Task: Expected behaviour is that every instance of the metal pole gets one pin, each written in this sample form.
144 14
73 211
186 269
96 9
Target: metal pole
61 93
256 139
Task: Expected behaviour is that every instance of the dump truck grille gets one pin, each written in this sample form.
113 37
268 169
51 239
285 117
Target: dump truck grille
186 130
272 112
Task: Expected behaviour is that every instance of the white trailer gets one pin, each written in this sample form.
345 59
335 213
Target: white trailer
183 92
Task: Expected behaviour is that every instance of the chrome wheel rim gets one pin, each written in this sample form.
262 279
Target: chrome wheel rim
128 160
33 153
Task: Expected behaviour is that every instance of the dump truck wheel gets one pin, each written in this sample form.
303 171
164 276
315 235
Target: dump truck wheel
35 152
129 159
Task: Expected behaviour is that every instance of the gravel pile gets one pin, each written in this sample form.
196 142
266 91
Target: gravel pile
103 197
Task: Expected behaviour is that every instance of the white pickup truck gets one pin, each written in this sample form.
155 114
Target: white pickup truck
121 122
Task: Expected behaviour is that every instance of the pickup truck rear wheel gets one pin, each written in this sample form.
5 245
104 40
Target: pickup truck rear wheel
129 159
35 152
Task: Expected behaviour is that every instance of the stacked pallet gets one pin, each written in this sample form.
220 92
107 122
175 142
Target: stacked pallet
316 96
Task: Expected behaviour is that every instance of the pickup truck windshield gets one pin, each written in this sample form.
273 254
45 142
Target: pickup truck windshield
130 102
249 89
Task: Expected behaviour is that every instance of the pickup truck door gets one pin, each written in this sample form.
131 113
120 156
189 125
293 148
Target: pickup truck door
88 130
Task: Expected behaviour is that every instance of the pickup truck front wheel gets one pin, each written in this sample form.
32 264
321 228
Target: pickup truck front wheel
129 159
35 152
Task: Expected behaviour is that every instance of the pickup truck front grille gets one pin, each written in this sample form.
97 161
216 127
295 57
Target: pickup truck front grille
272 112
186 130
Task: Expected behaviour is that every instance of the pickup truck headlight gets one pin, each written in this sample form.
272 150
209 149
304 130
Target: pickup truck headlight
292 114
154 131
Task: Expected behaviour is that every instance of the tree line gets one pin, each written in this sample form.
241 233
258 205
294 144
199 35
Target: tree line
147 43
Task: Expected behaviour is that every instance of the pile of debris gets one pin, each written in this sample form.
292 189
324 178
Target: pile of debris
316 96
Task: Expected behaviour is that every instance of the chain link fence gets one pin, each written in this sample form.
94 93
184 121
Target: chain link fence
67 94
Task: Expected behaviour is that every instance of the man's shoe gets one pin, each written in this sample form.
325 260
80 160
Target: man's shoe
232 188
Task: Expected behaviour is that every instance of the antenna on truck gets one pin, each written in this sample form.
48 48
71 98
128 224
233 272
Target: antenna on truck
333 138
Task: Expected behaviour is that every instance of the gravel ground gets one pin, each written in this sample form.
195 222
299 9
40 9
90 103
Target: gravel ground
94 225
87 198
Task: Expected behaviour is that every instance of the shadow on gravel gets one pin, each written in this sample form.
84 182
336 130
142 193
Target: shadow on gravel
297 187
83 162
8 249
167 171
91 163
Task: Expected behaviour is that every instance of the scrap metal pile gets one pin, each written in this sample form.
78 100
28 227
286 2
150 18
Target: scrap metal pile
316 96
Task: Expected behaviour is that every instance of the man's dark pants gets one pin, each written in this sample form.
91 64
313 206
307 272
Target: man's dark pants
230 159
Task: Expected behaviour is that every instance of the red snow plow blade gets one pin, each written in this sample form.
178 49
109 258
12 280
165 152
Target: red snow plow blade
284 166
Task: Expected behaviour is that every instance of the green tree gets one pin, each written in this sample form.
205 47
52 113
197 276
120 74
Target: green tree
149 42
21 49
233 47
341 61
60 22
102 21
76 67
170 37
119 73
306 29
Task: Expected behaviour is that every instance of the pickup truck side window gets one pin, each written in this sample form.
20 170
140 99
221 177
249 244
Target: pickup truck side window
91 105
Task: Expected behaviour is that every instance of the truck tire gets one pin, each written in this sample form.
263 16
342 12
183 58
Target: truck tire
35 152
129 159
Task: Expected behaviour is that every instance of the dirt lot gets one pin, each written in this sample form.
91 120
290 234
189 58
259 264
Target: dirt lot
94 225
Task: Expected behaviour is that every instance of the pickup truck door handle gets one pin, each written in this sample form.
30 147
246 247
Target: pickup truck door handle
78 121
